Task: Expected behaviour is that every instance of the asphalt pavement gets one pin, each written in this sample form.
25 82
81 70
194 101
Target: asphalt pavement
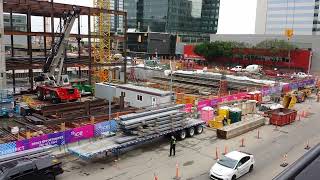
196 155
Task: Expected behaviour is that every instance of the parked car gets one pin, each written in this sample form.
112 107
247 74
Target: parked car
232 166
236 69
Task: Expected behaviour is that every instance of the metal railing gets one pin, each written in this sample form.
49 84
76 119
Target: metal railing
298 166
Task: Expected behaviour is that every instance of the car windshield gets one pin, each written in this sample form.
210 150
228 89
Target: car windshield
227 162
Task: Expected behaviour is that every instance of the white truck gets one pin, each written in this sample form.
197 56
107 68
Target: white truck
254 68
300 75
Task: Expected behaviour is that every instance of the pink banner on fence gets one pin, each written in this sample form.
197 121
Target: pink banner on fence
204 103
188 108
80 133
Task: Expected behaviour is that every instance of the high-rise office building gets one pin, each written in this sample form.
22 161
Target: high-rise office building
275 16
173 16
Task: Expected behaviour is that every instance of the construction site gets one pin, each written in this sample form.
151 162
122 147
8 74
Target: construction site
76 101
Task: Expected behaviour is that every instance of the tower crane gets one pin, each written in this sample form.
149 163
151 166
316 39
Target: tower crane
54 85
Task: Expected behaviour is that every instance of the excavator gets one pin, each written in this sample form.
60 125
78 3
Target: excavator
52 84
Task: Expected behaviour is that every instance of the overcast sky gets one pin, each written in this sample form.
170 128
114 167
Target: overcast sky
236 16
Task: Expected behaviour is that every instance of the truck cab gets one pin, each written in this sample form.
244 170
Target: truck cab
40 168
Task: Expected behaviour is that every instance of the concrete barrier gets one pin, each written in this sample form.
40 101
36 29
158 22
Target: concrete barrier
241 127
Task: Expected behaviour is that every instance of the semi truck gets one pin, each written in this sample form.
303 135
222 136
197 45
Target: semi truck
35 164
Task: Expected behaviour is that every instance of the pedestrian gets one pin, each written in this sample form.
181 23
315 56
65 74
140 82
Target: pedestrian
225 121
173 146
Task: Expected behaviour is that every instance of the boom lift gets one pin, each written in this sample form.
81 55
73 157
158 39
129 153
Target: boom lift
54 85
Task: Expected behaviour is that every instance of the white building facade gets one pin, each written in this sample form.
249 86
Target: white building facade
275 16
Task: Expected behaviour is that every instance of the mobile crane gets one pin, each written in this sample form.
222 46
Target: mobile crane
35 164
54 85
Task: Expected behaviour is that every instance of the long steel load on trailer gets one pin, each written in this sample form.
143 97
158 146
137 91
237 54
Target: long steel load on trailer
138 129
35 164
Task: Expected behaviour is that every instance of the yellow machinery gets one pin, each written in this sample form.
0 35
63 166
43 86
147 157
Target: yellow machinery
289 100
307 91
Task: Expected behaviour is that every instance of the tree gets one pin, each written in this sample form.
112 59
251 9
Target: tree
275 44
218 49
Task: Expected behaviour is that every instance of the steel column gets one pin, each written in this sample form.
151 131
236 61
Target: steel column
125 47
44 37
79 45
12 54
30 49
52 23
89 43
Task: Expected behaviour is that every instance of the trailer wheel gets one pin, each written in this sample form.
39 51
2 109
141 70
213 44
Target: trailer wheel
50 176
199 129
54 98
182 134
10 115
191 131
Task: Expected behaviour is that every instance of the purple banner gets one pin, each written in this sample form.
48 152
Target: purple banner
22 145
55 139
77 134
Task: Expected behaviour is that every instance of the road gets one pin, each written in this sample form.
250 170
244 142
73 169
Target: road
196 155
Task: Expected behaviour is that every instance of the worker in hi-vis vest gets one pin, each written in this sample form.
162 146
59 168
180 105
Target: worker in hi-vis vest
173 146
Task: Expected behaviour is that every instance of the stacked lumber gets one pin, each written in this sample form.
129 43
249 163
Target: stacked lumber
154 121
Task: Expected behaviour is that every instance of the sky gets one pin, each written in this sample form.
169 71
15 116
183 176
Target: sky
236 16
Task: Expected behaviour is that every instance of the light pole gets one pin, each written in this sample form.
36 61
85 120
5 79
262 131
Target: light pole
109 81
171 72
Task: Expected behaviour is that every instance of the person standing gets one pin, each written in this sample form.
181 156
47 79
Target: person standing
173 146
225 121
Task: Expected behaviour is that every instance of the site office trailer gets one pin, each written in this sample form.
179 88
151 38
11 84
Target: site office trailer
136 96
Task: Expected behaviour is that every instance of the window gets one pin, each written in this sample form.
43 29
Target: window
243 161
123 94
139 98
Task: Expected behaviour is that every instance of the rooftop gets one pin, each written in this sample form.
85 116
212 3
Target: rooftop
142 89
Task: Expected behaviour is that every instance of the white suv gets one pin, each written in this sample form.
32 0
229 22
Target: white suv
232 166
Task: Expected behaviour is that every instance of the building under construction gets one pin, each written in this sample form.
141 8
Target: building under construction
91 49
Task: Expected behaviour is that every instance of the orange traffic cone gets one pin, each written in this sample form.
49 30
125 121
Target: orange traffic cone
177 171
242 143
155 177
284 161
225 150
307 146
217 154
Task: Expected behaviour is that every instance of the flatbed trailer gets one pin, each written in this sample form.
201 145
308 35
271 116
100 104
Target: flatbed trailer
107 145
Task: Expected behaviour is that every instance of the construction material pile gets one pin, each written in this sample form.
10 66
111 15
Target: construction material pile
69 112
154 121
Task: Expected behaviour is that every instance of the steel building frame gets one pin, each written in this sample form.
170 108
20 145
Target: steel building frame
53 10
